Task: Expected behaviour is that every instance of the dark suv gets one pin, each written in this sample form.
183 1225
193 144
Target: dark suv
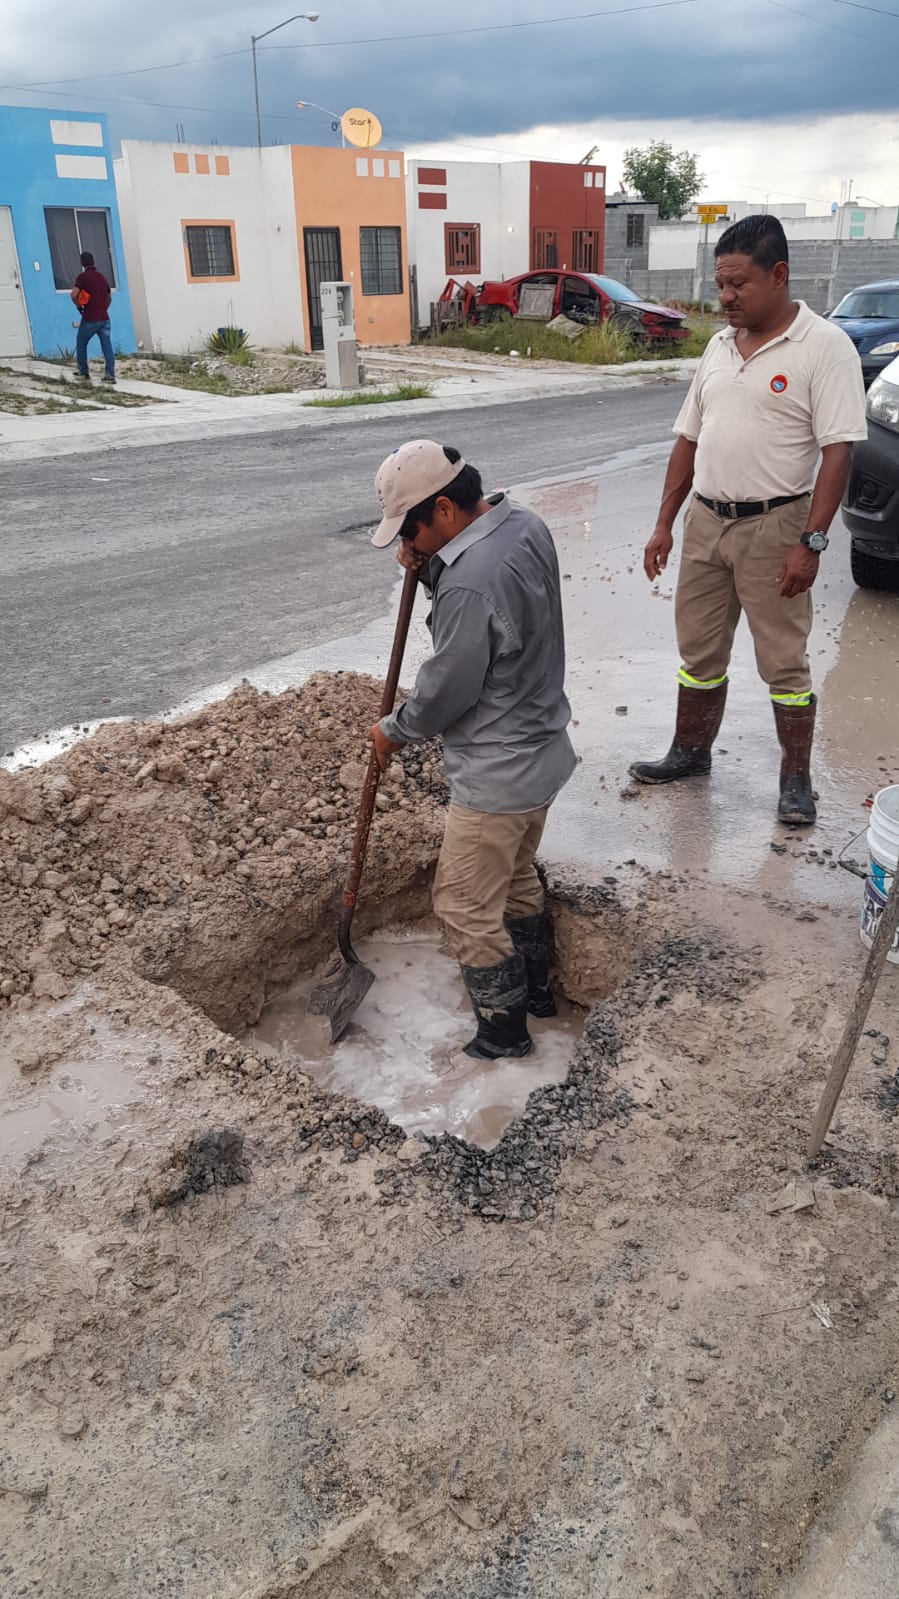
871 506
870 315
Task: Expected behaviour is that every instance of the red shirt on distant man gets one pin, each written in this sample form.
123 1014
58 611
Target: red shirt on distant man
92 294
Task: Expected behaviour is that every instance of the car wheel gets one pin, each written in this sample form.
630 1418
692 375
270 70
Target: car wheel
869 572
500 313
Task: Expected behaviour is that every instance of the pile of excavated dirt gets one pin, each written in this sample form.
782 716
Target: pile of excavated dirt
257 1343
188 850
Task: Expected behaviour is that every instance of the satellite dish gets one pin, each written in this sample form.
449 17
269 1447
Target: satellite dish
361 128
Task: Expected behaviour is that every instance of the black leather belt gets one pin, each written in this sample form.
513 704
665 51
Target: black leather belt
732 510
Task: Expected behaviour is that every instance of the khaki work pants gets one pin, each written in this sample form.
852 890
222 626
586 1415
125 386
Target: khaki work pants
486 871
729 567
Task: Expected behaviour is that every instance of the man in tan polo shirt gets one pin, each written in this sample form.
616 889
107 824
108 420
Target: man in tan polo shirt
763 446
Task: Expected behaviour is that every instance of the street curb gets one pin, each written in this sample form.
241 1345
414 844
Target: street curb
157 426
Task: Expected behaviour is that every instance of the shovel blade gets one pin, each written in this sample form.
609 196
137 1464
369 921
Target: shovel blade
339 992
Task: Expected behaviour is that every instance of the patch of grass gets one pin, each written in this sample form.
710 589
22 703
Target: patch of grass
403 391
241 357
293 348
603 346
701 330
608 345
109 396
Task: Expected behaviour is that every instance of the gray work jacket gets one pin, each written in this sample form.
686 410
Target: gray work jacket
494 687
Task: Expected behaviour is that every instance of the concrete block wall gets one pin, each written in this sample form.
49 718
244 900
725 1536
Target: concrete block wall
857 261
662 286
620 257
812 273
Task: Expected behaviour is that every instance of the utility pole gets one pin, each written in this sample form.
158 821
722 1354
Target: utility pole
703 268
835 256
301 16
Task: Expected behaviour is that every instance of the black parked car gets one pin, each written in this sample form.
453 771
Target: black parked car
870 315
871 506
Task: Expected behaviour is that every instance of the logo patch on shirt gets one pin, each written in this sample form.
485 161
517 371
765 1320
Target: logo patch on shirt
778 384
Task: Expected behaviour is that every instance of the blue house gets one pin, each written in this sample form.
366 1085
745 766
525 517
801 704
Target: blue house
57 198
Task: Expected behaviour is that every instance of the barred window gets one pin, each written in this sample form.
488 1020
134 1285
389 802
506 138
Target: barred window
585 250
463 246
636 230
381 256
546 248
210 250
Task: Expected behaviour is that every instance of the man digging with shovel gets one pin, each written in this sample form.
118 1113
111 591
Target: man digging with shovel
493 690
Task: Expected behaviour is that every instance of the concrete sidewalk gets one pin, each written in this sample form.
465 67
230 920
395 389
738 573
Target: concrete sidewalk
185 415
854 1548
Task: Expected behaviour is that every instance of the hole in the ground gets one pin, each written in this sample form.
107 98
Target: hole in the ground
403 1052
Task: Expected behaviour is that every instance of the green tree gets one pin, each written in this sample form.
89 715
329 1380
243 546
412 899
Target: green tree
661 177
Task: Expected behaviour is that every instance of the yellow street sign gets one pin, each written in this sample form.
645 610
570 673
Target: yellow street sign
710 213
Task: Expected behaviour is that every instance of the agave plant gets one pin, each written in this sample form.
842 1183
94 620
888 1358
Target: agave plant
227 341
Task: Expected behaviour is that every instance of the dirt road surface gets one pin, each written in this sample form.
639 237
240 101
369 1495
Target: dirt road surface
261 1345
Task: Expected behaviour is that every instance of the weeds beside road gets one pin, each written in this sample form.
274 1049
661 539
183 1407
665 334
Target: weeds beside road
402 391
597 346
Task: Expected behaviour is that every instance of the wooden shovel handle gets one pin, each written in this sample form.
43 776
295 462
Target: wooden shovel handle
373 775
855 1021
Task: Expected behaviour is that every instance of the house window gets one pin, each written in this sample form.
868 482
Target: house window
381 256
636 230
210 250
585 250
463 246
546 248
71 232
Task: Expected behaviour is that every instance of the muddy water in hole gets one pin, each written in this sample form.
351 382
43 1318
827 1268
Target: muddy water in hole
403 1052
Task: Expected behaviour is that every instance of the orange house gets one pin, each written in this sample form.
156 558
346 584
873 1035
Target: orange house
350 208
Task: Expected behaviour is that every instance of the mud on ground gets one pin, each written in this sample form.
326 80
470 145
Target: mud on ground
259 1345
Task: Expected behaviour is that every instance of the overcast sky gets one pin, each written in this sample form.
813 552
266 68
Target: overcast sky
801 95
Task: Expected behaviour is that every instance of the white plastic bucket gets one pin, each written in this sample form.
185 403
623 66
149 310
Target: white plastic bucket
883 859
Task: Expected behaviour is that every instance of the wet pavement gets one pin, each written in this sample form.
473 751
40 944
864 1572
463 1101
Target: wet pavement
622 664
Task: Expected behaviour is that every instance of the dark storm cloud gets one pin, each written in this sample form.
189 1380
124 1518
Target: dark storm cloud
707 59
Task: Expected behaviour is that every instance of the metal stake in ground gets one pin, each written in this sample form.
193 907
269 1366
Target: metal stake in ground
345 981
839 1071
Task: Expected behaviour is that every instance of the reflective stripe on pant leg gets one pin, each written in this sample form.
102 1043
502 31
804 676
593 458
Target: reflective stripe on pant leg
792 699
686 681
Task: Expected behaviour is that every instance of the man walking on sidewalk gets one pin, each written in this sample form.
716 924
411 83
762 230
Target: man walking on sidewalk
92 294
494 691
764 448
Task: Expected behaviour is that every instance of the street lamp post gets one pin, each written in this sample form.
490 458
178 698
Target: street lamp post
301 16
336 118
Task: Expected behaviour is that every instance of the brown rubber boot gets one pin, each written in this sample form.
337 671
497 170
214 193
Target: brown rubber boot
699 713
796 730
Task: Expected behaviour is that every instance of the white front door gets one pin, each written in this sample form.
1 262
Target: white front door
15 335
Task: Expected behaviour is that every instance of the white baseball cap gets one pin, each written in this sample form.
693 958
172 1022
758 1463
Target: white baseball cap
411 474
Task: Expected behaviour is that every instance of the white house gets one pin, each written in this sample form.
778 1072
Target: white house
485 219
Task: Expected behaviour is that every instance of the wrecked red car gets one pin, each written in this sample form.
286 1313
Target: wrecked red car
586 297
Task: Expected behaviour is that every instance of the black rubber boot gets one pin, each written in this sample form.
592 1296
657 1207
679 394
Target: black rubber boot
528 934
796 730
699 713
499 999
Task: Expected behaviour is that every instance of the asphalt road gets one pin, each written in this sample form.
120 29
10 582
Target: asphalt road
134 578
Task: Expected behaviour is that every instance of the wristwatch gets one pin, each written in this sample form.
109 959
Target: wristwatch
817 542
